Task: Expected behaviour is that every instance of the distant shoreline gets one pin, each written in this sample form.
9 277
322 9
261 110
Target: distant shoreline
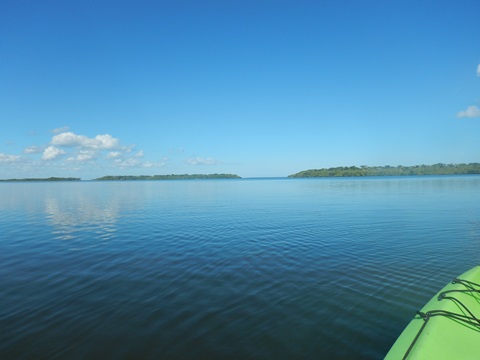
416 170
42 179
132 178
346 171
167 177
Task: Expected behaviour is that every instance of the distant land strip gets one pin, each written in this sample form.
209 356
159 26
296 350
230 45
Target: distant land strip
168 177
353 171
133 177
44 179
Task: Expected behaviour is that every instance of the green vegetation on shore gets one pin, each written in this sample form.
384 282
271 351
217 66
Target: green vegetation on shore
44 179
342 171
436 169
168 177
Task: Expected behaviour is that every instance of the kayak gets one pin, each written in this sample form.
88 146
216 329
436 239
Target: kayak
447 327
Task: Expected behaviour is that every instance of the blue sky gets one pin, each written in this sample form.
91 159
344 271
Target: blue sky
255 88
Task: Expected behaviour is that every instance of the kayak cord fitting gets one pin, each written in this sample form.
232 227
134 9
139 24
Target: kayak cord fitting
469 319
468 284
425 317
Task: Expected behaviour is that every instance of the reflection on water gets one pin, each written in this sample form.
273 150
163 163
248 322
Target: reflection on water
86 214
79 215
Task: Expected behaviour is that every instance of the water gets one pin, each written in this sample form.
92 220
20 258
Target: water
237 269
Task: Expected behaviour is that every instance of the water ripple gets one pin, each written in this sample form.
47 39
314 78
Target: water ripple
243 269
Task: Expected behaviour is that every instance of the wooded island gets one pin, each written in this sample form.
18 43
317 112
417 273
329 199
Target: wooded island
44 179
134 177
436 169
168 177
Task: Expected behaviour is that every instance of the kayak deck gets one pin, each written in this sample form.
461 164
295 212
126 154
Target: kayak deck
447 327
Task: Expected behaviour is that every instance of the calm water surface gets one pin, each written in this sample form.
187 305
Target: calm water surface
237 269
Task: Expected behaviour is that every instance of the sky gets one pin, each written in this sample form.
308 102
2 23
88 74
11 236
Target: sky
255 88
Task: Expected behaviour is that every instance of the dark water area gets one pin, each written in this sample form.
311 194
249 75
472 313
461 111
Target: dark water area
227 269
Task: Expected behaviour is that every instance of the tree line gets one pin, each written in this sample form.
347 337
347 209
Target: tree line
45 179
436 169
168 177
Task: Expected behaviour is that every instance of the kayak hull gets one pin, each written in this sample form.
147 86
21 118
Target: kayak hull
447 327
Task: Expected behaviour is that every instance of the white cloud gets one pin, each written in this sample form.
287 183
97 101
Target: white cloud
478 70
83 156
99 142
6 158
106 142
60 130
68 151
151 165
33 150
113 154
127 162
471 112
128 149
69 139
201 161
52 152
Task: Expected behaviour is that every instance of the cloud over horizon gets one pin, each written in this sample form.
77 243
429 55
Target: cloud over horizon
33 149
67 151
52 152
201 161
471 112
99 142
81 148
60 130
7 158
